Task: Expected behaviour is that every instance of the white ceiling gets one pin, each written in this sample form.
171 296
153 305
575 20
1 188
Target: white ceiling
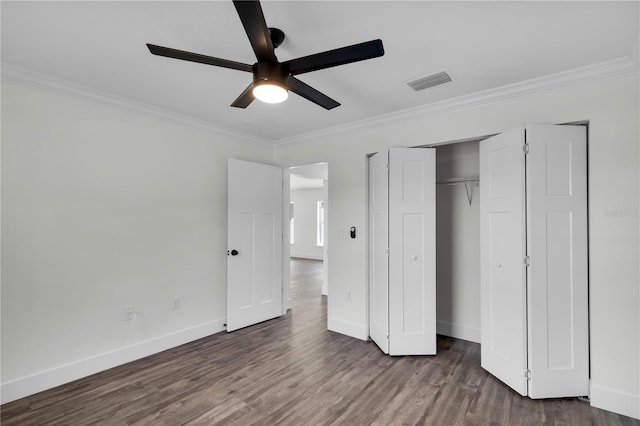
485 45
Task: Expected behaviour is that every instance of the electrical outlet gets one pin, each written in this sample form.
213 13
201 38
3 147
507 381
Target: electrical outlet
128 314
176 303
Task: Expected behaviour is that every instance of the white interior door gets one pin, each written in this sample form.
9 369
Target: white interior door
412 254
557 245
502 252
378 250
254 235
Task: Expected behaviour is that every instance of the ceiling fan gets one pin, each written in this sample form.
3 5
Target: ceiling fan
273 79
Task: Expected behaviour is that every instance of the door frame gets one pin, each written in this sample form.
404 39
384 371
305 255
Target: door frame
286 246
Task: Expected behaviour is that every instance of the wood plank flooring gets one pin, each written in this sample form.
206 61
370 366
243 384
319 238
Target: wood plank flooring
292 371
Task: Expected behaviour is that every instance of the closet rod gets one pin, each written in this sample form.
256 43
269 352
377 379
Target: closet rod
465 180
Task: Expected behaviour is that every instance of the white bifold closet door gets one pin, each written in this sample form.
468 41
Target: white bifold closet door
402 251
533 238
254 236
557 245
503 292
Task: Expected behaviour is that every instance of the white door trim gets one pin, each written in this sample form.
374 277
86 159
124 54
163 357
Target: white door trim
286 247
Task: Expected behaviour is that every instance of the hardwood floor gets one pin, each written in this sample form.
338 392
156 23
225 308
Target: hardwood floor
292 371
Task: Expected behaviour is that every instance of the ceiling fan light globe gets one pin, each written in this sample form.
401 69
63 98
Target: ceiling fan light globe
270 93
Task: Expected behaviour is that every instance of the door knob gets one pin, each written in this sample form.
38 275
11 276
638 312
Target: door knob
234 252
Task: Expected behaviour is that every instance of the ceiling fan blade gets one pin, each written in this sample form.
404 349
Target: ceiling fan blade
308 92
196 57
245 98
255 26
335 57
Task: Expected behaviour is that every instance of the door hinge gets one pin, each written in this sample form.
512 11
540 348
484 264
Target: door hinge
387 337
525 148
387 251
387 165
527 374
527 261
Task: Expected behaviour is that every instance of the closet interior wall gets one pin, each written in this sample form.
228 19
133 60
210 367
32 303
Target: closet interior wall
458 241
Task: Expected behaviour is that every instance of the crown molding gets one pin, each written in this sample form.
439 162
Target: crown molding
29 78
605 70
601 71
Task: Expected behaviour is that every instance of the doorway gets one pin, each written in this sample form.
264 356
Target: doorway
308 214
458 240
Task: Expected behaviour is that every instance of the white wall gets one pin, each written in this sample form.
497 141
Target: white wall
305 223
458 243
102 209
611 106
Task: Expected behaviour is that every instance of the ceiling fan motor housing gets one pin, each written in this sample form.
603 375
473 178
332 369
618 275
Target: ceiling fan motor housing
267 72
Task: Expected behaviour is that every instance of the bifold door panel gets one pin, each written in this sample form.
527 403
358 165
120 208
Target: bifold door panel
502 253
557 244
533 237
378 250
412 251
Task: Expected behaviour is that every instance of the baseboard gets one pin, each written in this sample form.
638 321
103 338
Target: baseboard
348 328
38 382
306 256
472 334
616 401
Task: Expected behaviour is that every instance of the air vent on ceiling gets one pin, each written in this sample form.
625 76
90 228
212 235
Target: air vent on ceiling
430 81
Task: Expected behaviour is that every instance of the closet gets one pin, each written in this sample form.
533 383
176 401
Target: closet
520 226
